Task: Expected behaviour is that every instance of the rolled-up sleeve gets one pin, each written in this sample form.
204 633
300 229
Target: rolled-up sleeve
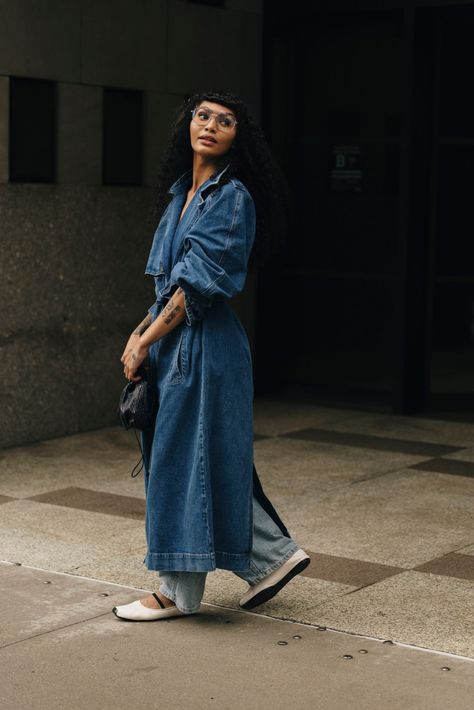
216 251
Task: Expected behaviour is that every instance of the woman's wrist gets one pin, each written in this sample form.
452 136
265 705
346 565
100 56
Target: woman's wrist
141 328
143 342
172 314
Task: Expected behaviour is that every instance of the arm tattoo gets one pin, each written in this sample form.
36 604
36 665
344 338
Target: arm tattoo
172 315
141 327
170 311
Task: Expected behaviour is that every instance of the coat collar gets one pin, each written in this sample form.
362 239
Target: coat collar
183 182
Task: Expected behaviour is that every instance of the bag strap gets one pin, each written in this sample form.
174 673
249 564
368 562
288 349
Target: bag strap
140 463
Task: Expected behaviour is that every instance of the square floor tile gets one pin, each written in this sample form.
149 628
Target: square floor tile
435 431
85 460
452 565
95 502
299 466
426 610
344 570
57 538
298 598
370 441
272 417
401 519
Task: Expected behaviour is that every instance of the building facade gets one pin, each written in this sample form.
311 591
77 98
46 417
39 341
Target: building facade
87 92
369 107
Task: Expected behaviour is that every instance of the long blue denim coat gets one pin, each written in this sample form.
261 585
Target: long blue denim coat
199 473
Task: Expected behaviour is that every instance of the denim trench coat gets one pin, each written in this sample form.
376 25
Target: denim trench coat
199 472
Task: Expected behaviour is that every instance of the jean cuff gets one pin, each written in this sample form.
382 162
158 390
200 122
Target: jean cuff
172 595
261 574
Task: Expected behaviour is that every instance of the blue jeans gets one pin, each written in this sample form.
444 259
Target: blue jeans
270 549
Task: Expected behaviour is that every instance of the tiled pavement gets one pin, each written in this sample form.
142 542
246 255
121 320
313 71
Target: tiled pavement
383 504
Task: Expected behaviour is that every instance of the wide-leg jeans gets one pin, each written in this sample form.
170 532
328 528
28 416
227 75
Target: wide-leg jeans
270 549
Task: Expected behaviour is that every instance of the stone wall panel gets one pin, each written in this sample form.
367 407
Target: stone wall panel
41 40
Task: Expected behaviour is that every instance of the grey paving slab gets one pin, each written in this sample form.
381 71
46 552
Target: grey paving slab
300 466
402 519
37 601
453 467
347 571
98 460
427 610
297 601
464 455
223 588
272 417
218 658
338 502
452 565
95 502
416 428
370 441
469 550
126 568
58 538
100 441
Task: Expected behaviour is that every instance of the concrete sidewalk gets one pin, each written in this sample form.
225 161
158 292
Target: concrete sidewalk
63 648
384 505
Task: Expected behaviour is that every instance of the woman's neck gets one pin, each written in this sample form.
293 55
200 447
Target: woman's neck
202 171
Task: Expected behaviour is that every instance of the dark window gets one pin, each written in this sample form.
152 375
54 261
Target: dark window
122 137
213 3
344 123
32 130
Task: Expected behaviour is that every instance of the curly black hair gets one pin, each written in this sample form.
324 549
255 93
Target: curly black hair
249 159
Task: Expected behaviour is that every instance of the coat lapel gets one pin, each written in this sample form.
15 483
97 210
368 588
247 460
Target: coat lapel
175 229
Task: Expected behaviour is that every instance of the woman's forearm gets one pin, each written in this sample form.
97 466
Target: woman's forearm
171 316
141 327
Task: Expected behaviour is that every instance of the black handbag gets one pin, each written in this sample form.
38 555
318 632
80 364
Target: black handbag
137 409
138 403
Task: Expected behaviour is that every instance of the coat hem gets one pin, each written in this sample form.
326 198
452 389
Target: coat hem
189 562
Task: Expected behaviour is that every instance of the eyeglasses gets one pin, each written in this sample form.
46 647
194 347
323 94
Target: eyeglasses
224 121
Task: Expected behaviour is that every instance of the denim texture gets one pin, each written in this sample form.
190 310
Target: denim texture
270 549
199 455
186 589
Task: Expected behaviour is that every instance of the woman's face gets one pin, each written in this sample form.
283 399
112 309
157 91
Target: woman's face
207 137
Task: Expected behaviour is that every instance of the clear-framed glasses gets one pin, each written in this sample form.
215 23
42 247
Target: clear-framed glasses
224 121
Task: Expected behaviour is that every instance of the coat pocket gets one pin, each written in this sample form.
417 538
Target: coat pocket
179 367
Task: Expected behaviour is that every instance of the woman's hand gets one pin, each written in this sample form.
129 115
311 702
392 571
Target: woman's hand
148 332
131 343
133 358
135 336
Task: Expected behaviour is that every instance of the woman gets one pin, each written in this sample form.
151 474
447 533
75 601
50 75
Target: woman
205 507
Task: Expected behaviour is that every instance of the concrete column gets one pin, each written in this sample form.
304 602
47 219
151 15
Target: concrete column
79 134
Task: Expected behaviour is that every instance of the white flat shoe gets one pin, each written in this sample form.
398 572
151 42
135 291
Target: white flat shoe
273 582
136 611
